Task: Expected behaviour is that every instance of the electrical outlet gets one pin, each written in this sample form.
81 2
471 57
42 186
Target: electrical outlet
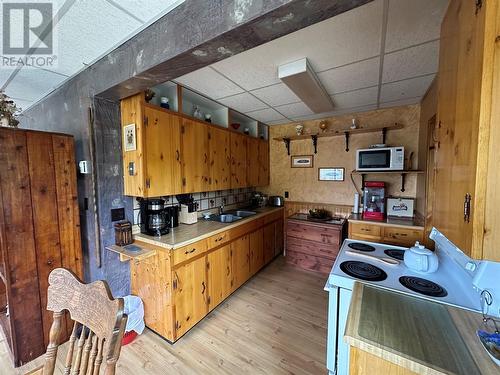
117 214
286 194
129 138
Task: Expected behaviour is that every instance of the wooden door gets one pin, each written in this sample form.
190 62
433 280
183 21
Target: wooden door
238 160
256 250
240 257
163 155
269 242
190 294
219 275
220 160
263 162
280 237
195 156
253 165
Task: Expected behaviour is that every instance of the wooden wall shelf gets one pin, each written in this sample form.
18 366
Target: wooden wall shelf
402 173
126 255
345 132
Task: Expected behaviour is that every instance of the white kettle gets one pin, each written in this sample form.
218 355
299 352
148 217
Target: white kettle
420 259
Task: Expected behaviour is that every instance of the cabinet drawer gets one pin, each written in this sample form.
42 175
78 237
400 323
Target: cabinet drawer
324 235
311 248
187 252
218 239
365 230
402 236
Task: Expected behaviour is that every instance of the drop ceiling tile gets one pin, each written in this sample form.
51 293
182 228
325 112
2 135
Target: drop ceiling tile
351 36
210 83
265 115
243 102
342 111
398 103
275 95
351 77
411 62
409 88
23 104
355 98
411 22
294 110
31 84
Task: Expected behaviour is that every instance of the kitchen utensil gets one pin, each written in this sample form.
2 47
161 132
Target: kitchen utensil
276 201
420 259
386 260
123 233
154 219
186 216
320 214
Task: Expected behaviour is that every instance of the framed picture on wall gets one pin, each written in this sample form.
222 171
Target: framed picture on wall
331 174
302 161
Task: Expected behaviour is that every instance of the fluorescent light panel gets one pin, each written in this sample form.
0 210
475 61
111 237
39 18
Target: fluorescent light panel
302 80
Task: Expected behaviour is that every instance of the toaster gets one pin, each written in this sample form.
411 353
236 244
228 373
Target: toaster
276 201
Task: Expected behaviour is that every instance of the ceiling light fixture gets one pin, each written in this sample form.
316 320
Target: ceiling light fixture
302 80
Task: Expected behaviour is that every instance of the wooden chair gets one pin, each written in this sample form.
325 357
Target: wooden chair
98 328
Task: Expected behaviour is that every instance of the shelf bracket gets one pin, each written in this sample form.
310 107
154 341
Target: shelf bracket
346 134
402 182
287 144
384 133
314 138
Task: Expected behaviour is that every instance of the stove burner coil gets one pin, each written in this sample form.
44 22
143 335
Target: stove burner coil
361 246
363 271
423 286
395 253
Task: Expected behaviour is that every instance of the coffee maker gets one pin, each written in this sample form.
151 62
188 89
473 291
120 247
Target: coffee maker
154 219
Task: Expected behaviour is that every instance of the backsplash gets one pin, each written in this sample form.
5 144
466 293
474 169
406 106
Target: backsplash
207 201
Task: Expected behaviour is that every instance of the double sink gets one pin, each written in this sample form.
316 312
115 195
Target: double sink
231 216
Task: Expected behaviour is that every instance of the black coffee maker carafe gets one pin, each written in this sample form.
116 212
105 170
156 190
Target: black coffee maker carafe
154 218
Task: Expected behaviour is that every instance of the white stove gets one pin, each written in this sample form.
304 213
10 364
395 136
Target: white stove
458 281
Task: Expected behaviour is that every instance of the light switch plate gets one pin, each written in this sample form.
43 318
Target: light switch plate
129 138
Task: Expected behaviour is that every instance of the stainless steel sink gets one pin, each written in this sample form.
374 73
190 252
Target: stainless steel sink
225 218
243 213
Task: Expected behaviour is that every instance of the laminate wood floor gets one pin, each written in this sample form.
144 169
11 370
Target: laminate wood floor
274 324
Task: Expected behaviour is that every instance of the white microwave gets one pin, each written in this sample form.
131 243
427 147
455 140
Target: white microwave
380 159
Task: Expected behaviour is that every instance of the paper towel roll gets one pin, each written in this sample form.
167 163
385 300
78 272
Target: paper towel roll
355 208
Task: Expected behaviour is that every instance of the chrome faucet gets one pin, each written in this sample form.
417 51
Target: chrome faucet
221 209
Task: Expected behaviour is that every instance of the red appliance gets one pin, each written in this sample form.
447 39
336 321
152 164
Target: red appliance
374 200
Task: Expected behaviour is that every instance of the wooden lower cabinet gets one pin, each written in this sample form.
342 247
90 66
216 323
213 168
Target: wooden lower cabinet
399 236
269 245
179 287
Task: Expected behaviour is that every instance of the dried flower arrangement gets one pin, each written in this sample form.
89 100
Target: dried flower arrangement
8 111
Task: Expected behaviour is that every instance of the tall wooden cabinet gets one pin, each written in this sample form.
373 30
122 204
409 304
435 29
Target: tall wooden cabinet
39 231
195 156
467 191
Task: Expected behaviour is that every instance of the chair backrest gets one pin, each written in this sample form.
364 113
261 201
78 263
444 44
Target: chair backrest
98 328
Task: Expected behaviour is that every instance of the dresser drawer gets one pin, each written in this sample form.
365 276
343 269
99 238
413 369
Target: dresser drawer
218 239
366 231
327 235
402 236
189 251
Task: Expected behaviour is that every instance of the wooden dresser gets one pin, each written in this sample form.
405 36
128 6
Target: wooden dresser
39 231
313 245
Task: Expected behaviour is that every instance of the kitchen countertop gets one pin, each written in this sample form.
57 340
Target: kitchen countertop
305 217
423 336
186 234
393 222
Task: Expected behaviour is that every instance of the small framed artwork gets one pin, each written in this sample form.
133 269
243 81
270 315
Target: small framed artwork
331 174
302 161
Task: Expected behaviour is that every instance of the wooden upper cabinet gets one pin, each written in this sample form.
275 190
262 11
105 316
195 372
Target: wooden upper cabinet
190 294
238 160
163 155
253 165
263 163
195 156
468 63
220 158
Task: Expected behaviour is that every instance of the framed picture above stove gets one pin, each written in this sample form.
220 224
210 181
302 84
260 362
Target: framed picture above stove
302 161
331 174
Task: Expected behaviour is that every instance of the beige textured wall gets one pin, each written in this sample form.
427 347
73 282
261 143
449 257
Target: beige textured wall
303 184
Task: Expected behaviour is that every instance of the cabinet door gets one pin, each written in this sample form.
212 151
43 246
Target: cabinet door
459 105
241 261
190 294
220 161
280 237
256 250
195 156
263 163
269 242
219 275
162 151
238 160
253 165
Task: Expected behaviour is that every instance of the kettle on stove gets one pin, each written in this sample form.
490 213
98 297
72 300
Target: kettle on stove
420 259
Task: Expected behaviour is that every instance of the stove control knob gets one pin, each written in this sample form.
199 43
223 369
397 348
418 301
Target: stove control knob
470 266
